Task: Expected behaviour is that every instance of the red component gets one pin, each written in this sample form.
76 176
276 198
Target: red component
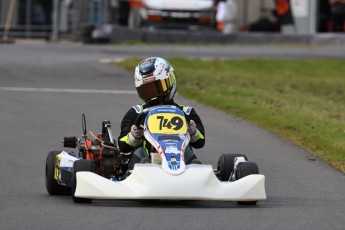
155 18
137 4
205 20
89 154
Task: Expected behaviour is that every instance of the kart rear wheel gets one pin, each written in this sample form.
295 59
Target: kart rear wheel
225 165
80 166
244 169
52 185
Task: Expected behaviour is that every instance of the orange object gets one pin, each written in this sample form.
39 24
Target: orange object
137 4
220 26
89 154
205 20
155 18
283 6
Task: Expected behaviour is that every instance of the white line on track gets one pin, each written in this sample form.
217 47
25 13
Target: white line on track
110 60
54 90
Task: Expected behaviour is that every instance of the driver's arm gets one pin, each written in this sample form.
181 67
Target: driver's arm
126 124
200 138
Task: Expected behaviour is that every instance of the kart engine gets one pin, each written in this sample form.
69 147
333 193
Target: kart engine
102 150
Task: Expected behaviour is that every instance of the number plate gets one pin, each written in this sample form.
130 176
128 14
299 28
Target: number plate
167 123
180 14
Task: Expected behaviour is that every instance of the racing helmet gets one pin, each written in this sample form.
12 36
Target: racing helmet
155 81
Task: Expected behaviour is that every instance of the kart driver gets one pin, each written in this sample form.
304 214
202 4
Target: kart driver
155 82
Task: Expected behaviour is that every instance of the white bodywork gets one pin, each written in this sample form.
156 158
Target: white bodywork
179 4
173 9
150 181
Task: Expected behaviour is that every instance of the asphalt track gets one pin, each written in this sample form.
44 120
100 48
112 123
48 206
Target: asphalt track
44 89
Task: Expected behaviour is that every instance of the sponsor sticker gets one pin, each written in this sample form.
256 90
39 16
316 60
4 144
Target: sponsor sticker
172 149
148 80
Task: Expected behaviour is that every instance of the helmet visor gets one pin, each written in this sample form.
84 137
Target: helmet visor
151 90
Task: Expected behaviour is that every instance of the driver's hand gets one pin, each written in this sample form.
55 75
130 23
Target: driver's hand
137 132
191 127
193 131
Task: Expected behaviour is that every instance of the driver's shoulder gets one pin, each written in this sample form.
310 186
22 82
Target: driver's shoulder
186 109
138 108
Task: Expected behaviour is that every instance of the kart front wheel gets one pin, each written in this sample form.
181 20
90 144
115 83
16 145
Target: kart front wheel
80 166
244 169
225 165
52 185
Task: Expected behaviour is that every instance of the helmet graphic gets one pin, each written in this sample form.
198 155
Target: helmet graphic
155 80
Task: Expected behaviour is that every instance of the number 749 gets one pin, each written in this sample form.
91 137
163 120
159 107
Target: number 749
175 123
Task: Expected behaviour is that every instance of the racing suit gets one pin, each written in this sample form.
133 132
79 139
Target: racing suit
139 154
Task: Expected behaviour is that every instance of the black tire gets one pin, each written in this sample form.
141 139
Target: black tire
244 169
52 185
225 165
80 166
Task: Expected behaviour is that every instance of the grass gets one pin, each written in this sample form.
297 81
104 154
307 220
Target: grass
302 101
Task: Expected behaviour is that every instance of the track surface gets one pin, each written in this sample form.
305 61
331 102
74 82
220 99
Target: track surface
36 113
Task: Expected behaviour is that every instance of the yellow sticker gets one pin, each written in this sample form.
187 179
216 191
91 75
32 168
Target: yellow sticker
57 167
167 123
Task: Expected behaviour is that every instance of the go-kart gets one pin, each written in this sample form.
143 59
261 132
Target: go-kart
166 177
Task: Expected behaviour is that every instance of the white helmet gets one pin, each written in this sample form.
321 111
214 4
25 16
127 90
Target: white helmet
155 80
